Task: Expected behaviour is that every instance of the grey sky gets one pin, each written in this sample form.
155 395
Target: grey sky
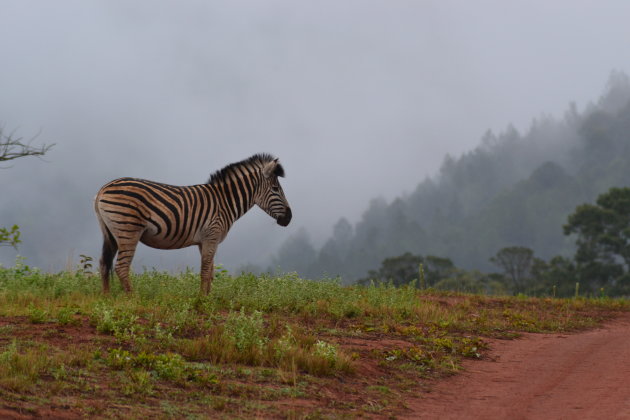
358 99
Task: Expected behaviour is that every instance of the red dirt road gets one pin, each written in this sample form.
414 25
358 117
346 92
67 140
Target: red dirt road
540 376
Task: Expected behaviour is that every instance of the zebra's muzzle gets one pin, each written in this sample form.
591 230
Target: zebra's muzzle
284 220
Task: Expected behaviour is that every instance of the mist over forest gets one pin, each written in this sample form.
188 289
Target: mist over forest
359 99
513 189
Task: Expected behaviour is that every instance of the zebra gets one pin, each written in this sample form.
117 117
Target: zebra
131 210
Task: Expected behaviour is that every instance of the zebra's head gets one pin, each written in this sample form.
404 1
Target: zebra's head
270 196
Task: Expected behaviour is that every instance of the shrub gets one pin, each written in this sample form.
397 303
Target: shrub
107 320
246 332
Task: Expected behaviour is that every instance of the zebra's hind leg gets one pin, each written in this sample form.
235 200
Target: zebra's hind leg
126 249
109 252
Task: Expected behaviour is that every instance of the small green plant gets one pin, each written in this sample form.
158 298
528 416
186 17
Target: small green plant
183 318
285 344
37 315
65 316
471 347
9 354
85 264
120 359
170 366
137 382
423 284
110 321
326 350
166 366
60 372
246 332
20 269
163 335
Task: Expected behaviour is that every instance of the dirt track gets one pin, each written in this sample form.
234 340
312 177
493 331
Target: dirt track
540 376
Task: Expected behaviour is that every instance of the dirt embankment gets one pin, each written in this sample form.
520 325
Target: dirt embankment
540 376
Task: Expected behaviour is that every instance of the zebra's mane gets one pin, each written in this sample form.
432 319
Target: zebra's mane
258 159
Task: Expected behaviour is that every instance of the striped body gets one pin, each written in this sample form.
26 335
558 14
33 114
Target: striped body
164 216
170 217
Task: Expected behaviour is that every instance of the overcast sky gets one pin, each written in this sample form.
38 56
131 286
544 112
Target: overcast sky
358 99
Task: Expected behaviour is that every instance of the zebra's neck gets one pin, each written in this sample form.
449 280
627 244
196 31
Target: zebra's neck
236 192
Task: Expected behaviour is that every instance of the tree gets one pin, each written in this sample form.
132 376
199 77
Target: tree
333 254
559 275
399 270
405 268
473 281
516 262
603 238
296 254
12 148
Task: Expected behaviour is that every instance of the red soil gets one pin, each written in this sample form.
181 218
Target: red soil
539 376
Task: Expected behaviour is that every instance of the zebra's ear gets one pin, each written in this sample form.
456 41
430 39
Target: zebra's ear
273 168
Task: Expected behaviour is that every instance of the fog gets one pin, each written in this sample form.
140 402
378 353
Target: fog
357 98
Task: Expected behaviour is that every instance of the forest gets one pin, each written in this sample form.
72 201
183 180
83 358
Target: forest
513 193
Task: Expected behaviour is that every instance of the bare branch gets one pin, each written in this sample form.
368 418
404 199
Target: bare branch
13 148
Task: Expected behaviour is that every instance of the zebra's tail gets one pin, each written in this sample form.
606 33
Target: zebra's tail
110 247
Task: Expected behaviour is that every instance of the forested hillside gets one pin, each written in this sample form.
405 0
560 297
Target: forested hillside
512 190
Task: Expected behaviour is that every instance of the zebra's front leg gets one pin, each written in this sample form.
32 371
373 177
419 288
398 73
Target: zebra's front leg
207 267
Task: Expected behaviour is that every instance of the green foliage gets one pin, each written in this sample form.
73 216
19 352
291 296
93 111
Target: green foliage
85 264
234 352
397 270
21 366
169 366
21 282
10 236
273 293
603 240
37 315
285 344
326 351
65 316
137 382
410 269
108 320
474 282
17 371
554 278
246 332
254 345
119 359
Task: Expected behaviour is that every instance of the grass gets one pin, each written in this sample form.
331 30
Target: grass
255 347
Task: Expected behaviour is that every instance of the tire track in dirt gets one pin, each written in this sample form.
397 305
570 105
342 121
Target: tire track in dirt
540 376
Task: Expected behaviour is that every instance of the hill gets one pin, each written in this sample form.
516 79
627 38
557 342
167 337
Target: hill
512 190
